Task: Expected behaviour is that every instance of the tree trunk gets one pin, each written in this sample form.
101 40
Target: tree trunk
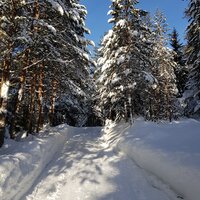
32 104
125 111
130 109
34 27
4 98
52 102
19 96
40 97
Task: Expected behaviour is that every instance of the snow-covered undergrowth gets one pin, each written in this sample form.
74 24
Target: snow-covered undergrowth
22 162
171 151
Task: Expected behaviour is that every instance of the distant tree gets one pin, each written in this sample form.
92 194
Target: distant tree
181 69
193 58
163 99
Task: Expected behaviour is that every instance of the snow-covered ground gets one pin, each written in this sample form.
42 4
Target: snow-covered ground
88 169
170 151
147 161
22 162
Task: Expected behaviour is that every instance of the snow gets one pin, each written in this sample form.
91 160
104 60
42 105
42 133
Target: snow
121 59
57 6
111 20
170 151
106 64
87 168
107 36
145 161
50 27
127 72
86 56
122 23
20 94
87 31
132 86
4 90
135 33
92 43
110 12
115 80
149 78
22 162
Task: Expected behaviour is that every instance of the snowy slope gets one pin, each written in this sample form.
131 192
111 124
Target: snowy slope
171 151
22 162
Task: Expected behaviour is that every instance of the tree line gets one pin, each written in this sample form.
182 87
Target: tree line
139 75
45 66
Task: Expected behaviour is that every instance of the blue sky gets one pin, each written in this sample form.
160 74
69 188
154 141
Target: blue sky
97 15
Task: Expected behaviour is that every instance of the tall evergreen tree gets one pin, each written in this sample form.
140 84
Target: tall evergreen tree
180 70
193 58
44 55
12 38
124 51
163 70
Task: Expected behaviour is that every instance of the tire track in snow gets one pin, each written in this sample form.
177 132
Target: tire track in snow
88 169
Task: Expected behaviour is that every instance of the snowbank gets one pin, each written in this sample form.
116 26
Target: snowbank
22 162
171 151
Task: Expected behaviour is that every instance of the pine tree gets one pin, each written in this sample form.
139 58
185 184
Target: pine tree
13 41
193 58
77 87
180 70
163 99
124 51
45 48
67 60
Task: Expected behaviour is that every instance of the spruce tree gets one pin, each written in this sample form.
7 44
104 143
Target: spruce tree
163 99
124 51
193 58
180 70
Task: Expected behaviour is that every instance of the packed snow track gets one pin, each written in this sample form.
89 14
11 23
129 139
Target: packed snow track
87 168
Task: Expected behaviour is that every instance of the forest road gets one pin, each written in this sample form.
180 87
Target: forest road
88 169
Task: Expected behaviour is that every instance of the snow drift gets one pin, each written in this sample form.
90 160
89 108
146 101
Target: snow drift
171 151
22 162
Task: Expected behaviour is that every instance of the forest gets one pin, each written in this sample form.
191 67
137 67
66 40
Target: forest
47 75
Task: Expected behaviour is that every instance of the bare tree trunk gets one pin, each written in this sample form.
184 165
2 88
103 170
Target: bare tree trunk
169 110
32 103
40 97
125 111
130 108
52 102
153 105
34 29
19 96
35 15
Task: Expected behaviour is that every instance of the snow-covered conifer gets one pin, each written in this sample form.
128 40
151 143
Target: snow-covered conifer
181 69
44 44
193 58
163 99
14 40
124 51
